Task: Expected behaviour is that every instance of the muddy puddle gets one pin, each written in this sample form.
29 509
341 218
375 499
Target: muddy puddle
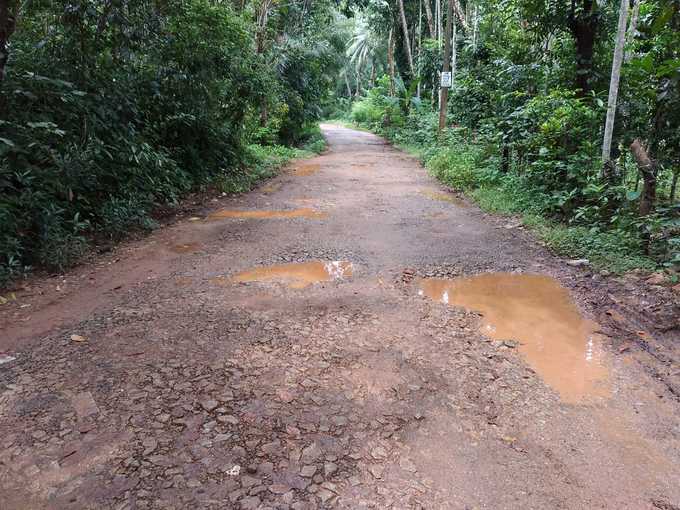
305 212
298 275
443 197
535 310
304 170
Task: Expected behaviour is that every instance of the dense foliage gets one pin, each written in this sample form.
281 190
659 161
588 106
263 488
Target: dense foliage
111 107
526 116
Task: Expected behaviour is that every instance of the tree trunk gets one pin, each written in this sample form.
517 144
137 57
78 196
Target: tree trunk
648 169
261 34
583 27
674 185
505 158
430 21
475 25
407 42
459 14
632 29
372 81
260 40
444 91
7 25
454 54
607 166
439 22
390 60
420 44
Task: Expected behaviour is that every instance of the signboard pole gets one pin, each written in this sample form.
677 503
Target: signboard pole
446 70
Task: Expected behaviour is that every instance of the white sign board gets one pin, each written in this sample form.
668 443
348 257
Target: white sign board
446 80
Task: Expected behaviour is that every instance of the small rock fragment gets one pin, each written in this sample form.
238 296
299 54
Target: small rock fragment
376 470
308 471
210 404
329 468
234 471
578 262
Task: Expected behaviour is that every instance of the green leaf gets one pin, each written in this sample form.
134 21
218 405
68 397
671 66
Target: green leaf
7 142
633 195
663 18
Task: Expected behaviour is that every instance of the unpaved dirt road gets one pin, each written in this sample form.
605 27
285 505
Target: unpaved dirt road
326 341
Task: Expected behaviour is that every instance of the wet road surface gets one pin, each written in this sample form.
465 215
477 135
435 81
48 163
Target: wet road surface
350 335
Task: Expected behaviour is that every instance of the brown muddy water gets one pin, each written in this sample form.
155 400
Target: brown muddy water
538 312
298 275
305 212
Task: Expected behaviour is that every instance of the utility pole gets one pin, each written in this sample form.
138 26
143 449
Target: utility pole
444 91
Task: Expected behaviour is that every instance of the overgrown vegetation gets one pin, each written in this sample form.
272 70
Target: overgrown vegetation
110 108
526 114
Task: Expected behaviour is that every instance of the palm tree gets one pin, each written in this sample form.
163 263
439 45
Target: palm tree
366 48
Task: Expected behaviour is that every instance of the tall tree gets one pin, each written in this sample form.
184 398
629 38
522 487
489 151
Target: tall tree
614 89
406 40
390 60
430 20
7 25
583 19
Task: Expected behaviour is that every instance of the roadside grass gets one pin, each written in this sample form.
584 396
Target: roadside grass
122 217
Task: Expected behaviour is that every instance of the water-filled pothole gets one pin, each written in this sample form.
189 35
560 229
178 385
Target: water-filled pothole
561 345
304 212
299 274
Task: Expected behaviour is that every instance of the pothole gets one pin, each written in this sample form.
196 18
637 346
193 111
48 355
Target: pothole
298 275
304 212
561 345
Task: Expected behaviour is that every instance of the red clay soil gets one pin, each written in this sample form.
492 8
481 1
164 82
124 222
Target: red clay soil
204 367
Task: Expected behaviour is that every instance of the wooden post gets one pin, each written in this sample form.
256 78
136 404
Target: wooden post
444 91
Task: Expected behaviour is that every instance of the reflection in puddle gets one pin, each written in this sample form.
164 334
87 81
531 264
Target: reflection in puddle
443 197
295 213
298 275
303 170
535 310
